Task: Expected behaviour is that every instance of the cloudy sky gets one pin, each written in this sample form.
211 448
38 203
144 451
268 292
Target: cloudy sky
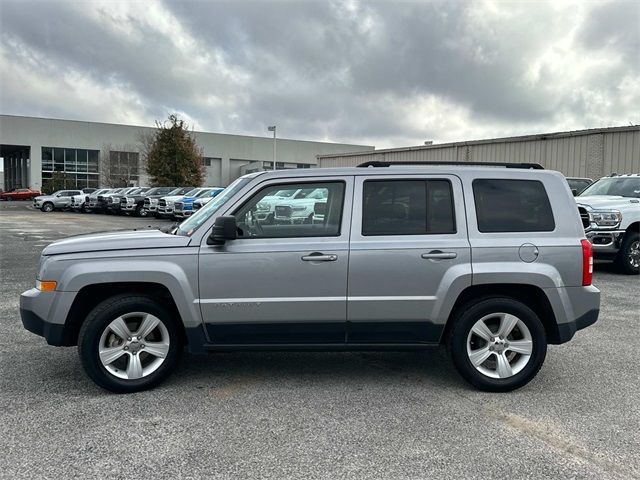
376 73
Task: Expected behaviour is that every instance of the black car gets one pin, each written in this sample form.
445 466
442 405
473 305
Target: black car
133 203
151 201
112 204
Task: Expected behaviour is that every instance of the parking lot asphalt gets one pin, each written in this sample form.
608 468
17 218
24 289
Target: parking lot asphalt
311 415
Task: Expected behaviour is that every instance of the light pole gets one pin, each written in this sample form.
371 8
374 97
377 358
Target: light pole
273 129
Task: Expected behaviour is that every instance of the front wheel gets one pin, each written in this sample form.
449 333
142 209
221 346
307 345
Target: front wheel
498 344
628 258
129 344
47 207
140 211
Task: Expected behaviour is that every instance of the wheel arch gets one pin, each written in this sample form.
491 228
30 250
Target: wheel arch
91 295
532 296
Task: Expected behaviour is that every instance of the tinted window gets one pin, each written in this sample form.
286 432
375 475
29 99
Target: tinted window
512 206
267 215
407 207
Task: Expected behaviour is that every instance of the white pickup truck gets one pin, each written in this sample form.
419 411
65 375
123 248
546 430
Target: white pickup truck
610 212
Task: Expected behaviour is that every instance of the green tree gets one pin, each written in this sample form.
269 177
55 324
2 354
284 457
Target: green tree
58 181
173 157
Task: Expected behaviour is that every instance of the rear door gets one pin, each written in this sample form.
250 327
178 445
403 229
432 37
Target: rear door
409 250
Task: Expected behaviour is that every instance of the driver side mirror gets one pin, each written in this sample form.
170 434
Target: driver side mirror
224 229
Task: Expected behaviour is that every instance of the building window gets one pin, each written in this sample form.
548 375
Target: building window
78 168
206 161
303 165
123 168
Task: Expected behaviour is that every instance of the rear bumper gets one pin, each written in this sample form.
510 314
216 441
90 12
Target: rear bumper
581 306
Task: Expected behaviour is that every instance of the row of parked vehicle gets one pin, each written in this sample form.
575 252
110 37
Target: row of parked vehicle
163 202
288 206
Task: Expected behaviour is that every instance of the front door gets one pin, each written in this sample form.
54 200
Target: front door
282 281
409 249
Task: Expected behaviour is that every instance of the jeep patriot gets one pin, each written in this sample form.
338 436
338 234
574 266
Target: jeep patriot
490 260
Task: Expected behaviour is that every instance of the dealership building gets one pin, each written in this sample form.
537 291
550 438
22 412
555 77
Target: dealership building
33 148
592 153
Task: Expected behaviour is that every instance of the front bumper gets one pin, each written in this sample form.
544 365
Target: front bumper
129 207
605 242
41 312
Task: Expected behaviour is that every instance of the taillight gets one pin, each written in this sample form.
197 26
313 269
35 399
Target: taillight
587 262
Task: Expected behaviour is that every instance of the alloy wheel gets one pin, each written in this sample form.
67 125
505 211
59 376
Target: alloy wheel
134 345
499 345
633 255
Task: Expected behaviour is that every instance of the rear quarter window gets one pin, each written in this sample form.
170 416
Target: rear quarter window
512 206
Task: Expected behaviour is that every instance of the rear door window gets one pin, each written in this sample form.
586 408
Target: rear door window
512 206
407 207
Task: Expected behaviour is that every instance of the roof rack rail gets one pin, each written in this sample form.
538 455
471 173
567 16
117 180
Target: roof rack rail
530 166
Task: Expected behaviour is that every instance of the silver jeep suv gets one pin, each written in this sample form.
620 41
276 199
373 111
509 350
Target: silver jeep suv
486 259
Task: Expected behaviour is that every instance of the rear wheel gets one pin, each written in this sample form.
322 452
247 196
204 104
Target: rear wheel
628 259
498 344
128 344
47 207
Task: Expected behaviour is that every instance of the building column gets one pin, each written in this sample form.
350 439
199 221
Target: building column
35 167
225 171
24 170
595 157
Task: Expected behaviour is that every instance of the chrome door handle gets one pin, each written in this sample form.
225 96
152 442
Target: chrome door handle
438 255
319 257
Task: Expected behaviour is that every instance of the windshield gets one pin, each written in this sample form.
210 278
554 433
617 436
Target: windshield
202 193
621 186
191 224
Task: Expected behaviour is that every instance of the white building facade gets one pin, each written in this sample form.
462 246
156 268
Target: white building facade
32 149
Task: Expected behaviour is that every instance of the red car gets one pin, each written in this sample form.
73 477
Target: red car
20 194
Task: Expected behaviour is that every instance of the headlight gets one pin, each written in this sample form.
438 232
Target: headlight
153 201
262 206
607 219
130 200
169 203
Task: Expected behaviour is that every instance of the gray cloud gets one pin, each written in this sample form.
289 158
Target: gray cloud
382 73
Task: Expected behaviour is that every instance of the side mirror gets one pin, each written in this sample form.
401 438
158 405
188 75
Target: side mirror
574 191
224 229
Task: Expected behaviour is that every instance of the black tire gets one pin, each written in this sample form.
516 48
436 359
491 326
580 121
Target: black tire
99 319
47 207
464 322
624 259
140 211
83 209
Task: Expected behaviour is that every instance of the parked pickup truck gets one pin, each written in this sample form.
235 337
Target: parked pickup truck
112 203
183 208
304 207
166 204
20 194
405 258
81 203
59 200
151 200
610 213
133 203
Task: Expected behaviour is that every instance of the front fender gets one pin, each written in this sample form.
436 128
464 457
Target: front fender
175 271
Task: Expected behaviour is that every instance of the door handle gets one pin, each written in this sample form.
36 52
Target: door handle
319 257
439 255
